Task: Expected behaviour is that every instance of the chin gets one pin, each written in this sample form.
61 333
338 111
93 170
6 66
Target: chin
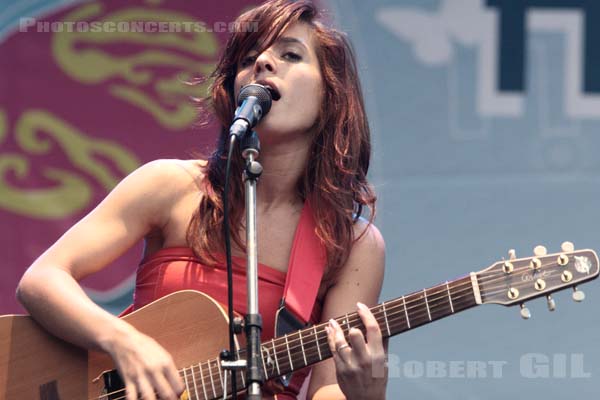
271 134
272 126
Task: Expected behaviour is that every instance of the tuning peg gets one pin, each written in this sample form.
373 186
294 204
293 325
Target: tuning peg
578 295
525 313
540 251
508 267
512 254
551 303
567 247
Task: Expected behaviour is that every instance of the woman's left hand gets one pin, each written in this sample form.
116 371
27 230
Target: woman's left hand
360 365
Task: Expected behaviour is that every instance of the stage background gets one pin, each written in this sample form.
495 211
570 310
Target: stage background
485 118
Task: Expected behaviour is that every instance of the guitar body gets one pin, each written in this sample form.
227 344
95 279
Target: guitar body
35 365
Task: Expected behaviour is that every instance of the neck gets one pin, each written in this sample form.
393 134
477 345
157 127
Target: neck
283 165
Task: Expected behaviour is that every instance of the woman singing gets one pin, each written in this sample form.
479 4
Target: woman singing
315 150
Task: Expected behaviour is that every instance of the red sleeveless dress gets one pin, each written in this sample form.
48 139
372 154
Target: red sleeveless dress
177 268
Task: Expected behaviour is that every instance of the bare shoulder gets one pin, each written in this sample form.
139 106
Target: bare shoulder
175 173
361 276
367 256
165 178
139 204
369 237
160 184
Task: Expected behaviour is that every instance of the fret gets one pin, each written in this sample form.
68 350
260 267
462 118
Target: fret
460 296
318 345
239 374
469 295
287 345
264 363
194 382
202 380
220 372
450 297
406 312
427 304
439 302
275 357
212 382
302 346
185 380
387 325
347 321
418 309
244 379
226 387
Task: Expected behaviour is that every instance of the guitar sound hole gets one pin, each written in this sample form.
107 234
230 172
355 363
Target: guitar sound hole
114 386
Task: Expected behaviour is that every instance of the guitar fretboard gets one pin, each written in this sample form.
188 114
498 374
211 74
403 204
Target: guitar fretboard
294 351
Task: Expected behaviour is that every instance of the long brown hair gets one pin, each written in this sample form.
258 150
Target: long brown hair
334 180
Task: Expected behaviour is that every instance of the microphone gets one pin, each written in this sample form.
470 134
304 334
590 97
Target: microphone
254 102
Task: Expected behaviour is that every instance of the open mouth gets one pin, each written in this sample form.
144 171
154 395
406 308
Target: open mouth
274 93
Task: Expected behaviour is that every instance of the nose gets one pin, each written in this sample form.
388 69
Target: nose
264 62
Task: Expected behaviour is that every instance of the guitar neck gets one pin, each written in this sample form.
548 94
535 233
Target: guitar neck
506 282
308 346
294 351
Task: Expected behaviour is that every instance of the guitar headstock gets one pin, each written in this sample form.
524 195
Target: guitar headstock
514 281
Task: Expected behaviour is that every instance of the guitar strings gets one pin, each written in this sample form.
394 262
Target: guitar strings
379 310
432 300
220 387
550 258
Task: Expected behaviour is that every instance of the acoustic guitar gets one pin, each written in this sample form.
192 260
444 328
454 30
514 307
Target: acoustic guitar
193 327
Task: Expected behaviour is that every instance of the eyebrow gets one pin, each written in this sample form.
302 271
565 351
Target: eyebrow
287 40
292 40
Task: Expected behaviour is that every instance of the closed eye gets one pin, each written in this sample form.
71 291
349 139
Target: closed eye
246 61
290 55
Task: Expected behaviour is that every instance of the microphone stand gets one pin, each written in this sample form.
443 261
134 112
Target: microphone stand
253 319
253 102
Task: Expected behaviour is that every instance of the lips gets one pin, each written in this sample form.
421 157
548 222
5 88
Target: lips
275 95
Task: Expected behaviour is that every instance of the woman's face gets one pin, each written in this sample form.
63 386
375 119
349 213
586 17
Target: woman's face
289 66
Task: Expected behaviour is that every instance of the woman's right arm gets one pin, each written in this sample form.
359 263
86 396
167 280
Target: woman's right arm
50 292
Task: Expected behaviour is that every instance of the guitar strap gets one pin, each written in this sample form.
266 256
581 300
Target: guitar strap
303 279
